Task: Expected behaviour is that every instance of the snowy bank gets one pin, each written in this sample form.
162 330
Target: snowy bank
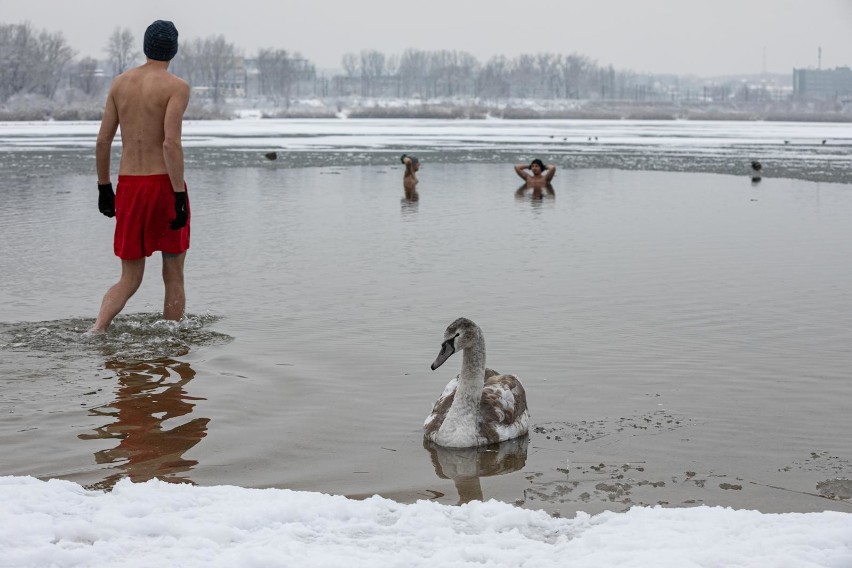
58 523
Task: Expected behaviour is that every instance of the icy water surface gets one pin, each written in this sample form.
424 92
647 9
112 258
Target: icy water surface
683 337
810 151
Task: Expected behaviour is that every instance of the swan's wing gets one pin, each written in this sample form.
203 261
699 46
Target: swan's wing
442 406
503 408
505 395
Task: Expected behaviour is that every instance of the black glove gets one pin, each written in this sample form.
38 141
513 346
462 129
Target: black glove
106 199
180 211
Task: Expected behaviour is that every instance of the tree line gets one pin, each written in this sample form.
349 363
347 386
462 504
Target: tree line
445 73
41 62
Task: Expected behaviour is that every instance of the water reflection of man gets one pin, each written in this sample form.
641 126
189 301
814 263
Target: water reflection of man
538 193
536 175
149 393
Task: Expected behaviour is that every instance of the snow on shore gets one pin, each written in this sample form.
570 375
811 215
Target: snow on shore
58 523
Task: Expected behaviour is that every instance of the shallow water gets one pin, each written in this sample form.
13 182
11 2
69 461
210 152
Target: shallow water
683 337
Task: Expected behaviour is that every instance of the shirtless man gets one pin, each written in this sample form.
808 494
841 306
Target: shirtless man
539 176
150 204
409 178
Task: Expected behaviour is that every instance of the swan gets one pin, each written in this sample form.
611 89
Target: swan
480 406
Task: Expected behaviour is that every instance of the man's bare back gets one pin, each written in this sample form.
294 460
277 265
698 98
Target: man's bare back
148 103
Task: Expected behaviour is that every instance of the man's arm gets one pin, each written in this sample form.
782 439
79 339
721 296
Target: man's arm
172 127
106 134
519 169
551 171
409 166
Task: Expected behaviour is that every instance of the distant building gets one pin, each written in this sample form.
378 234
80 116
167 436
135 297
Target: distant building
822 84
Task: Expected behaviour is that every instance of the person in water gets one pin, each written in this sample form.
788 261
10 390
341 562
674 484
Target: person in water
536 175
756 168
150 203
409 178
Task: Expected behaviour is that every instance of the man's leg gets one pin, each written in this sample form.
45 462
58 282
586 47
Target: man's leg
117 296
174 303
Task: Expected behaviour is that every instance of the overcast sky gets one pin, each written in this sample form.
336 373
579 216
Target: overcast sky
703 37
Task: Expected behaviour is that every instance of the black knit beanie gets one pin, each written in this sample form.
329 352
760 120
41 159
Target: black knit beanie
161 41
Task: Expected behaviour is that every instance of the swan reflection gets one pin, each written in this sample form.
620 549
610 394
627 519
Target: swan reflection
465 466
149 393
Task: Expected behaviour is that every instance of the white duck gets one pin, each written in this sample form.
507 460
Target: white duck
480 406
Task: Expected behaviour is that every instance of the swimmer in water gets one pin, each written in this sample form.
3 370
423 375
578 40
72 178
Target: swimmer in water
538 174
409 178
756 168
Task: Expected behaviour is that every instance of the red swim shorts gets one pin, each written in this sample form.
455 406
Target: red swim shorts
144 208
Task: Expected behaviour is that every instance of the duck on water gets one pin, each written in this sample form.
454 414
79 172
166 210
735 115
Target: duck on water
480 406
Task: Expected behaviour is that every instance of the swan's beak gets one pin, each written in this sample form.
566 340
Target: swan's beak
447 348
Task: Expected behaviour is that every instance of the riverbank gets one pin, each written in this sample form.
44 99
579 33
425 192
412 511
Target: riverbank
33 108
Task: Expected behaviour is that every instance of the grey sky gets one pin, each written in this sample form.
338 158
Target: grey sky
705 37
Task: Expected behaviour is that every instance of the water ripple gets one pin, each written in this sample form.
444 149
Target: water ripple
133 336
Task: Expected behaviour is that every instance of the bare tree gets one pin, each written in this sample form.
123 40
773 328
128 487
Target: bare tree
212 65
187 62
87 78
453 72
549 77
575 74
413 70
392 65
345 84
219 66
351 65
17 41
277 73
493 81
31 62
372 70
54 54
121 49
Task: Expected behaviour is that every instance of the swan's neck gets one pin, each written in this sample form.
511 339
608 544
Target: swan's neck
460 427
472 376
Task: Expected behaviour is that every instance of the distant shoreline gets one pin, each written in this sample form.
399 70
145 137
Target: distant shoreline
567 110
74 117
461 114
406 110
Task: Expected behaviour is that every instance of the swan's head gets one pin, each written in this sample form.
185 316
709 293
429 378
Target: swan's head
460 334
